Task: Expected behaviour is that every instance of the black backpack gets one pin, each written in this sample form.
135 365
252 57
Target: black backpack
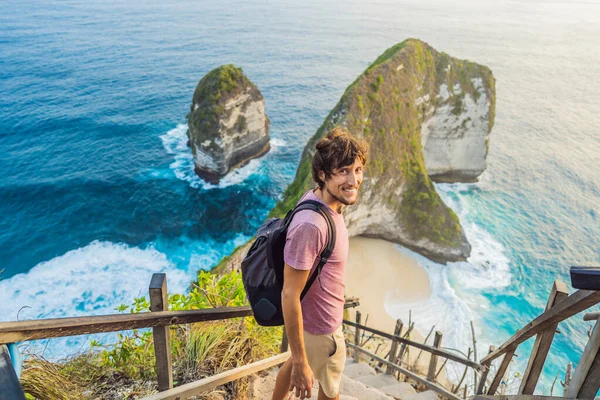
262 268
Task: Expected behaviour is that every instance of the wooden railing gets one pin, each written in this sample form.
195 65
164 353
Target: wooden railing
560 306
395 355
159 319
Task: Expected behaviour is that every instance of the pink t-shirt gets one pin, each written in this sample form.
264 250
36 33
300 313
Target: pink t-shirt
323 305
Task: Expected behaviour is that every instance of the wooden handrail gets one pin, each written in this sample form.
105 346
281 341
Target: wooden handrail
432 350
543 341
19 331
593 316
11 332
433 386
575 303
211 382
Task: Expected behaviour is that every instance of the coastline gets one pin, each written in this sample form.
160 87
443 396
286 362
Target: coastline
377 270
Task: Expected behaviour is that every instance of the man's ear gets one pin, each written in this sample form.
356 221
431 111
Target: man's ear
322 176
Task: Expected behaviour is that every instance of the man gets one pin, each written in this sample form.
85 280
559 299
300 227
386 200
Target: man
314 326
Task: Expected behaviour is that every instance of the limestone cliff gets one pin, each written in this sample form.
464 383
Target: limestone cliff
410 99
411 87
227 123
458 121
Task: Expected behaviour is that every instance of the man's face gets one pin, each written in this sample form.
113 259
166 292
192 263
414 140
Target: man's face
344 183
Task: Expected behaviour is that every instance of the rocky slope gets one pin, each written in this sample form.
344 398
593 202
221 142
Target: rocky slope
227 123
424 113
411 88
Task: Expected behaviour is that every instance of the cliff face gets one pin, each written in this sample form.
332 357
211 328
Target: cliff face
227 123
458 122
409 90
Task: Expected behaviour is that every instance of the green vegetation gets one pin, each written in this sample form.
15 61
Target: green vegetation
380 106
241 123
457 109
211 95
198 350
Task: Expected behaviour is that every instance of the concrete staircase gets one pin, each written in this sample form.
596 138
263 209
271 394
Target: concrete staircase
360 382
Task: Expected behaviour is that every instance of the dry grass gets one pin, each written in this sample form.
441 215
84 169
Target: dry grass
126 370
45 380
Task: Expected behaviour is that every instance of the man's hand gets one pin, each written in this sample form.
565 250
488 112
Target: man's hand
302 380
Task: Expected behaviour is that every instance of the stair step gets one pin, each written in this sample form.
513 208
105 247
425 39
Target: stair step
399 390
426 395
354 370
359 382
377 381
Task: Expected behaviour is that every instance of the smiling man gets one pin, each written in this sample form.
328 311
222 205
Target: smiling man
314 325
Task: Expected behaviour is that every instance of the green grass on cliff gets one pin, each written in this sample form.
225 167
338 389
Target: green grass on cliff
211 94
125 369
380 107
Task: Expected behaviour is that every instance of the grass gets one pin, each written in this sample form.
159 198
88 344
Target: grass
211 95
126 369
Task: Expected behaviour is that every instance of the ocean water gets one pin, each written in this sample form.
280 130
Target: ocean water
97 190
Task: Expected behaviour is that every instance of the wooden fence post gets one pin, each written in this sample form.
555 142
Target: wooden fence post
484 374
159 301
586 379
394 348
10 388
500 372
357 336
433 358
542 344
567 382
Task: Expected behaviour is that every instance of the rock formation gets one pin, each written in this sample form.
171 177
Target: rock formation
458 122
227 123
423 113
409 90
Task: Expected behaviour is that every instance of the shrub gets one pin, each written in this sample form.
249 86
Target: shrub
198 350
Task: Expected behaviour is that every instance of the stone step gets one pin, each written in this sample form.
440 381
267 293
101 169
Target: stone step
387 384
350 389
359 382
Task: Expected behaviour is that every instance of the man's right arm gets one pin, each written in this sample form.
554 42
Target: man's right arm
294 281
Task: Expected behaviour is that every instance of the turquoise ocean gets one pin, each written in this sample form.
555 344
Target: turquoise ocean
97 189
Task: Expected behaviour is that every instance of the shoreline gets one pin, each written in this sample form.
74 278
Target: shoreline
377 271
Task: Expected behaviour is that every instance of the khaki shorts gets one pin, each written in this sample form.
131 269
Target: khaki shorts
327 357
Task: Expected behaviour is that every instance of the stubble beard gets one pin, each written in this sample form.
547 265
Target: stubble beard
342 200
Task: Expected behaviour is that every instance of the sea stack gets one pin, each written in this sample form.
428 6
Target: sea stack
227 123
426 116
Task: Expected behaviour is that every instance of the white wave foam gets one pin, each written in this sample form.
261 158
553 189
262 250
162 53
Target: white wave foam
487 267
91 280
175 143
277 144
456 288
445 308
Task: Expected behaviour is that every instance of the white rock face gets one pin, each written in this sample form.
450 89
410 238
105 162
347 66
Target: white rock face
454 136
371 217
241 134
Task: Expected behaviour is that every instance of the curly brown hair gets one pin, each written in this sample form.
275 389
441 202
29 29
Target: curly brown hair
336 150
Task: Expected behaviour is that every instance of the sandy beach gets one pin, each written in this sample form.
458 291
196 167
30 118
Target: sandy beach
377 270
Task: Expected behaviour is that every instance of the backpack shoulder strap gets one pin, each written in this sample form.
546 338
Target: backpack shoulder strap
326 253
